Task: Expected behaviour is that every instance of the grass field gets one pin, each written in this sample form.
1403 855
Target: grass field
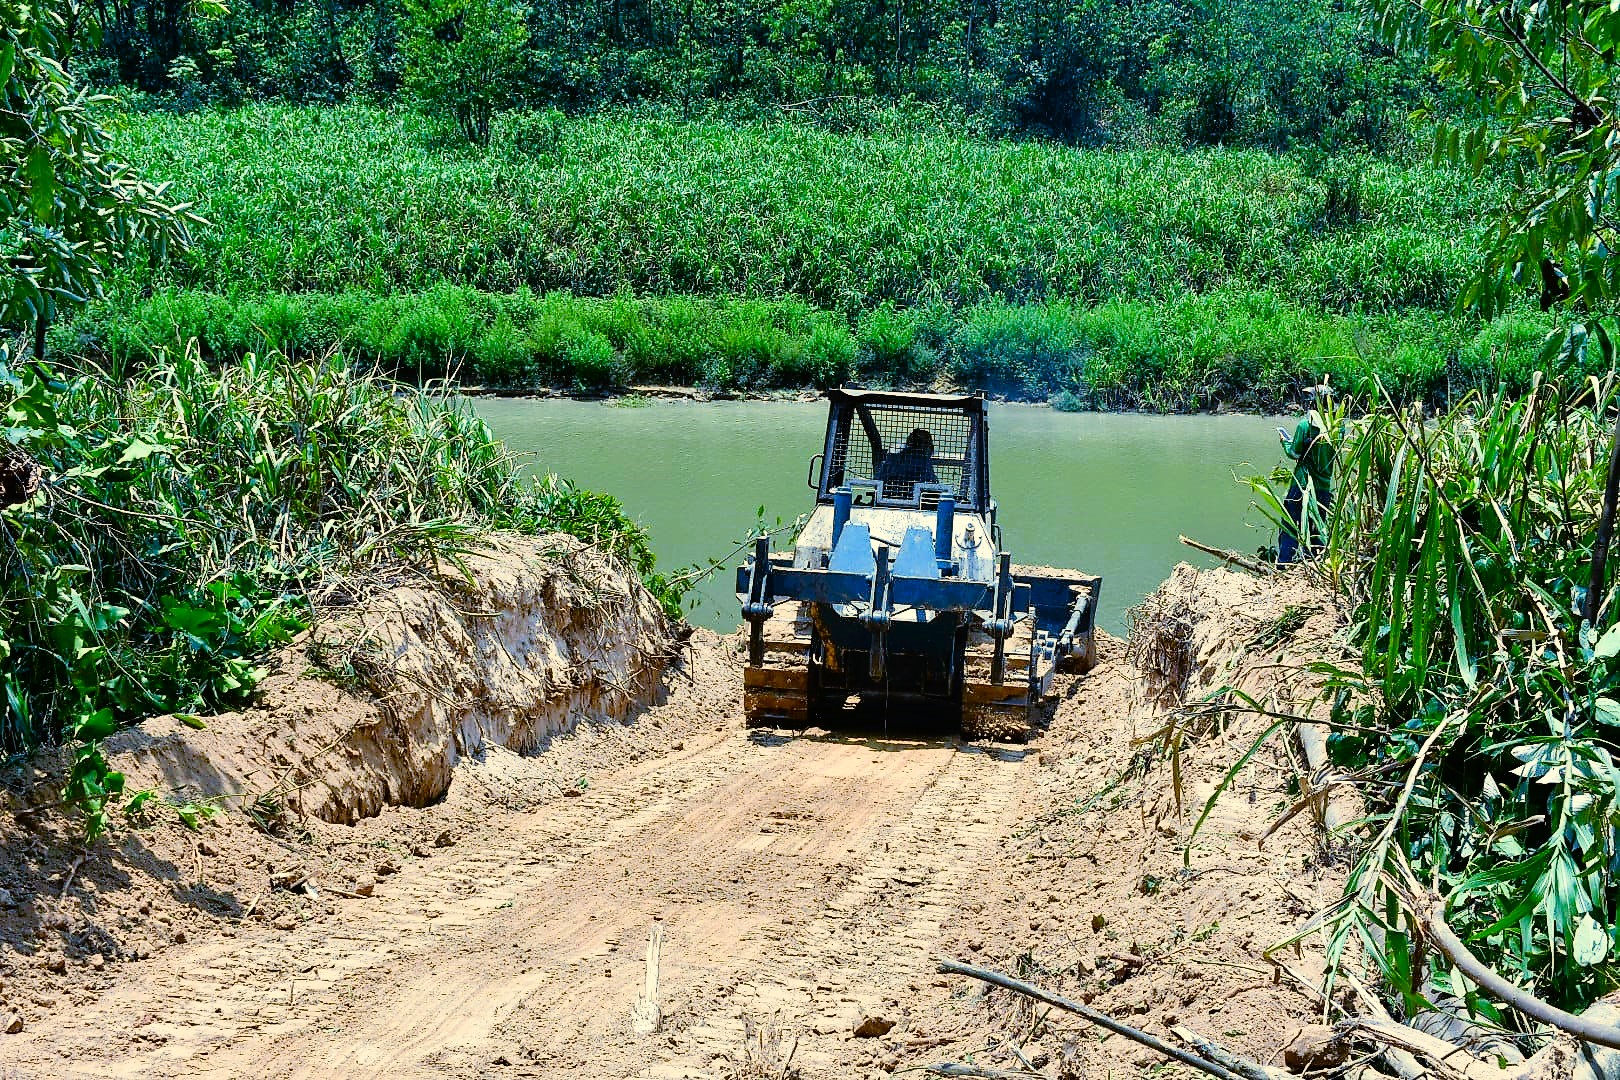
612 249
1199 352
331 199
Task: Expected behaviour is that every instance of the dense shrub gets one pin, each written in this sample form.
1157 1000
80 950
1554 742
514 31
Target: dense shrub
188 515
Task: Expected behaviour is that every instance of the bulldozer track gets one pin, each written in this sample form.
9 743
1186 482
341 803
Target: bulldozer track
779 691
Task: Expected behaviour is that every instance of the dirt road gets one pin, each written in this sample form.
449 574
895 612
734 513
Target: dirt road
799 880
804 884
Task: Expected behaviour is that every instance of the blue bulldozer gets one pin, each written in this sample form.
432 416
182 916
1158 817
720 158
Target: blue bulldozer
897 587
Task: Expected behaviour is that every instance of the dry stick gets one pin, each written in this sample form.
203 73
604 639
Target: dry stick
1400 1060
1448 943
72 870
1222 1056
1232 557
646 1015
1101 1019
952 1068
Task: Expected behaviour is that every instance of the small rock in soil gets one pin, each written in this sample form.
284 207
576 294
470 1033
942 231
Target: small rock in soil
205 848
179 937
6 899
97 961
1314 1049
56 964
285 922
444 839
873 1026
14 1023
365 888
386 868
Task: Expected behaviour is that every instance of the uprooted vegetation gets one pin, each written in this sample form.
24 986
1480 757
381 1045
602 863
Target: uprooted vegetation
192 519
1470 701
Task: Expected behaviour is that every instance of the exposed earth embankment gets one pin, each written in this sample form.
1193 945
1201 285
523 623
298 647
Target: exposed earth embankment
517 644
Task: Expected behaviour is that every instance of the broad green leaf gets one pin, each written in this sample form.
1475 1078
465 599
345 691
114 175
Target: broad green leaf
1608 645
1591 943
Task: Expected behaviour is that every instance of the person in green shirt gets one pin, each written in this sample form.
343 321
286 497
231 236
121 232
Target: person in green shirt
1310 496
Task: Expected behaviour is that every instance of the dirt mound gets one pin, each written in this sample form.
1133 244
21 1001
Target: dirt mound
381 701
1107 895
1206 629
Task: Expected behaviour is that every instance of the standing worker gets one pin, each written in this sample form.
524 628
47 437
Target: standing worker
1310 496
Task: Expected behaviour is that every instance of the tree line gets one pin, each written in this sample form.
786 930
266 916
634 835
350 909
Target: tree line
1096 72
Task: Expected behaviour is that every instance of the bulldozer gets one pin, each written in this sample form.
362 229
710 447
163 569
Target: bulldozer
897 587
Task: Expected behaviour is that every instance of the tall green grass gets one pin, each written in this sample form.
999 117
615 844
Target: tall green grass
1479 709
1219 350
356 198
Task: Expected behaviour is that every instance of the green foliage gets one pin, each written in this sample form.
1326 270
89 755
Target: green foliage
189 513
1544 71
351 198
69 205
1221 350
1462 545
462 58
1252 72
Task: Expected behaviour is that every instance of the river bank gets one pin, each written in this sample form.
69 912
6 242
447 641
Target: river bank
1218 351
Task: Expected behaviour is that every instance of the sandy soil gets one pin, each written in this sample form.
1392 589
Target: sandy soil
806 883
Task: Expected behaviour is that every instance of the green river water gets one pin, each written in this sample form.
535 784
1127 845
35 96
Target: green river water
1103 493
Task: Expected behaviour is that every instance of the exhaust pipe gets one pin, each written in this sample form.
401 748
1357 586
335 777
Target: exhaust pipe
944 530
843 499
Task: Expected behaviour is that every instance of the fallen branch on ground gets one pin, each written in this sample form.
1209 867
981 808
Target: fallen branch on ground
952 1068
1444 939
1253 566
1222 1056
1101 1019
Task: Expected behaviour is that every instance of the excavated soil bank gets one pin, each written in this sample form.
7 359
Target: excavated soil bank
383 699
804 883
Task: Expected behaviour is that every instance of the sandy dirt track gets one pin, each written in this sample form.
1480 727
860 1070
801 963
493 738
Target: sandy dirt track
798 879
805 884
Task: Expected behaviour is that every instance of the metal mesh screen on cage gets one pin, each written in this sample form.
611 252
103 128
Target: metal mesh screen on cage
918 445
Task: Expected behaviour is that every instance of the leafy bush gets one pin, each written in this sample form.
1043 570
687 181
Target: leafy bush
1479 695
188 512
1221 349
462 58
1023 349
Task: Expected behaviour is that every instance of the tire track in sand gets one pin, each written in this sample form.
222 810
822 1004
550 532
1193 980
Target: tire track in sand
795 877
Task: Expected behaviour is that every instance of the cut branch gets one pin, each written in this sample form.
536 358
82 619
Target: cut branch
1444 939
1251 565
1101 1019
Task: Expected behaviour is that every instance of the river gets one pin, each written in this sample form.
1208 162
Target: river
1106 493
